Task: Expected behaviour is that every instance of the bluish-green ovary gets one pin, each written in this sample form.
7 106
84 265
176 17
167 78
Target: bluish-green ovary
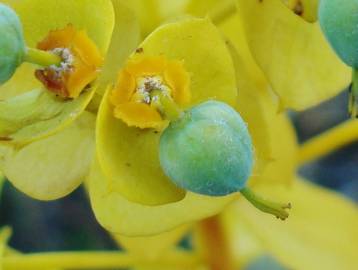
339 22
12 45
208 151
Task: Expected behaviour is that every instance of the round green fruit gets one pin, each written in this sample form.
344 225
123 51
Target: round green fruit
339 22
12 45
208 150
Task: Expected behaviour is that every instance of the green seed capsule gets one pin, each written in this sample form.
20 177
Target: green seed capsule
12 45
339 22
208 151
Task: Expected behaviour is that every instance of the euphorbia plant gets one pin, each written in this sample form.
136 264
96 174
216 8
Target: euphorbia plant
187 119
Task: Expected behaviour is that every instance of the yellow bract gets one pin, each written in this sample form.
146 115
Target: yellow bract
293 53
52 167
152 247
125 37
81 62
133 98
5 234
322 228
256 104
121 216
38 17
22 82
307 9
151 13
37 114
217 10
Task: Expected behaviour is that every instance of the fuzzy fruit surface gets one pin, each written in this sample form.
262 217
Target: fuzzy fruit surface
12 45
339 22
208 150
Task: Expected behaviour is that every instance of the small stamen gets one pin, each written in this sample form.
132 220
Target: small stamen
146 85
67 57
54 76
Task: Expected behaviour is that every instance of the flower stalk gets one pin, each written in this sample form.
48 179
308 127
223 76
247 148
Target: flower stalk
166 105
41 58
277 209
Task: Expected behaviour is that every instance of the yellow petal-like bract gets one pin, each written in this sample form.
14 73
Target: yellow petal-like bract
318 234
121 216
23 81
152 247
256 104
52 167
39 17
125 37
293 53
37 114
5 234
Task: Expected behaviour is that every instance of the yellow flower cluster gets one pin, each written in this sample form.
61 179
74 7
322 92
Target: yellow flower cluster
126 70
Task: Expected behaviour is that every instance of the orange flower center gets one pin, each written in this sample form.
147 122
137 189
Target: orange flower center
141 84
81 61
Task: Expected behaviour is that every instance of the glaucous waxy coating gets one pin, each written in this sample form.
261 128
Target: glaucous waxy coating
339 22
12 45
208 151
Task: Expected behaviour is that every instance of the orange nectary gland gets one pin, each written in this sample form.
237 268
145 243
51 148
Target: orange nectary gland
54 81
133 98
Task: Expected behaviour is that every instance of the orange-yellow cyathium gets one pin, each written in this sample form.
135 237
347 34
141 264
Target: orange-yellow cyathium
46 136
81 62
128 189
133 97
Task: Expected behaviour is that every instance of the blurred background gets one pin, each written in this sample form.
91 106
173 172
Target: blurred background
69 224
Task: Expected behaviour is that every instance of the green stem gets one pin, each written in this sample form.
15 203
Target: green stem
166 105
41 58
353 94
277 209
